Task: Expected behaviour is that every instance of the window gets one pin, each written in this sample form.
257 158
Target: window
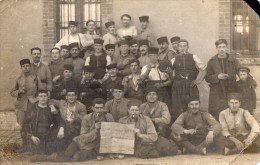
245 29
77 10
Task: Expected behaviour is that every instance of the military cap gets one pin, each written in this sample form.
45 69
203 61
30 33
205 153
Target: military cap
151 89
133 102
133 42
244 69
98 41
174 39
25 61
98 101
111 66
110 46
68 67
123 42
221 41
144 19
110 23
75 23
73 45
89 69
193 98
118 87
126 15
128 38
235 96
64 47
162 40
153 50
143 42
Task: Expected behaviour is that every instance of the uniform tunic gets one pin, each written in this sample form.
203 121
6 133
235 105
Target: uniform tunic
147 34
159 112
78 65
203 122
92 90
117 108
129 31
166 55
78 37
134 89
186 67
99 63
89 138
156 76
124 68
43 72
108 86
220 88
247 89
40 121
60 85
30 84
56 67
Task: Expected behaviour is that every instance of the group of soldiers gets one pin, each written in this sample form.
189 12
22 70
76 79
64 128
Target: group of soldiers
124 78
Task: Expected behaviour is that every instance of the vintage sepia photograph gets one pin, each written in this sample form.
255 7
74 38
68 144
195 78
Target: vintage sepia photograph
129 82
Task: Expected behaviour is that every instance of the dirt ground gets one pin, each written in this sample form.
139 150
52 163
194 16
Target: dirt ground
211 159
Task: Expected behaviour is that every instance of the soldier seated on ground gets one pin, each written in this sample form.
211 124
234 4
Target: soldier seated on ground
86 145
194 130
147 143
240 130
157 111
40 120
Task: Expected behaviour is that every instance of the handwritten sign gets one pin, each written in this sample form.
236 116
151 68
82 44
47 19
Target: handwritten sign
117 138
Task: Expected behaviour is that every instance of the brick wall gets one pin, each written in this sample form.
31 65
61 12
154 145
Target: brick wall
225 20
49 26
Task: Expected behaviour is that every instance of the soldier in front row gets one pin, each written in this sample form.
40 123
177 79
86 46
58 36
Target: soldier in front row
195 130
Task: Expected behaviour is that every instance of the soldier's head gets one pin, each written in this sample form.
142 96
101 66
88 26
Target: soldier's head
124 47
243 73
133 107
64 51
110 27
98 106
71 95
133 46
110 49
67 71
183 46
98 45
73 27
55 54
175 42
126 19
118 92
25 65
91 25
144 21
134 65
42 97
153 54
193 104
112 70
151 94
163 43
234 101
74 49
144 44
36 54
89 72
221 46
